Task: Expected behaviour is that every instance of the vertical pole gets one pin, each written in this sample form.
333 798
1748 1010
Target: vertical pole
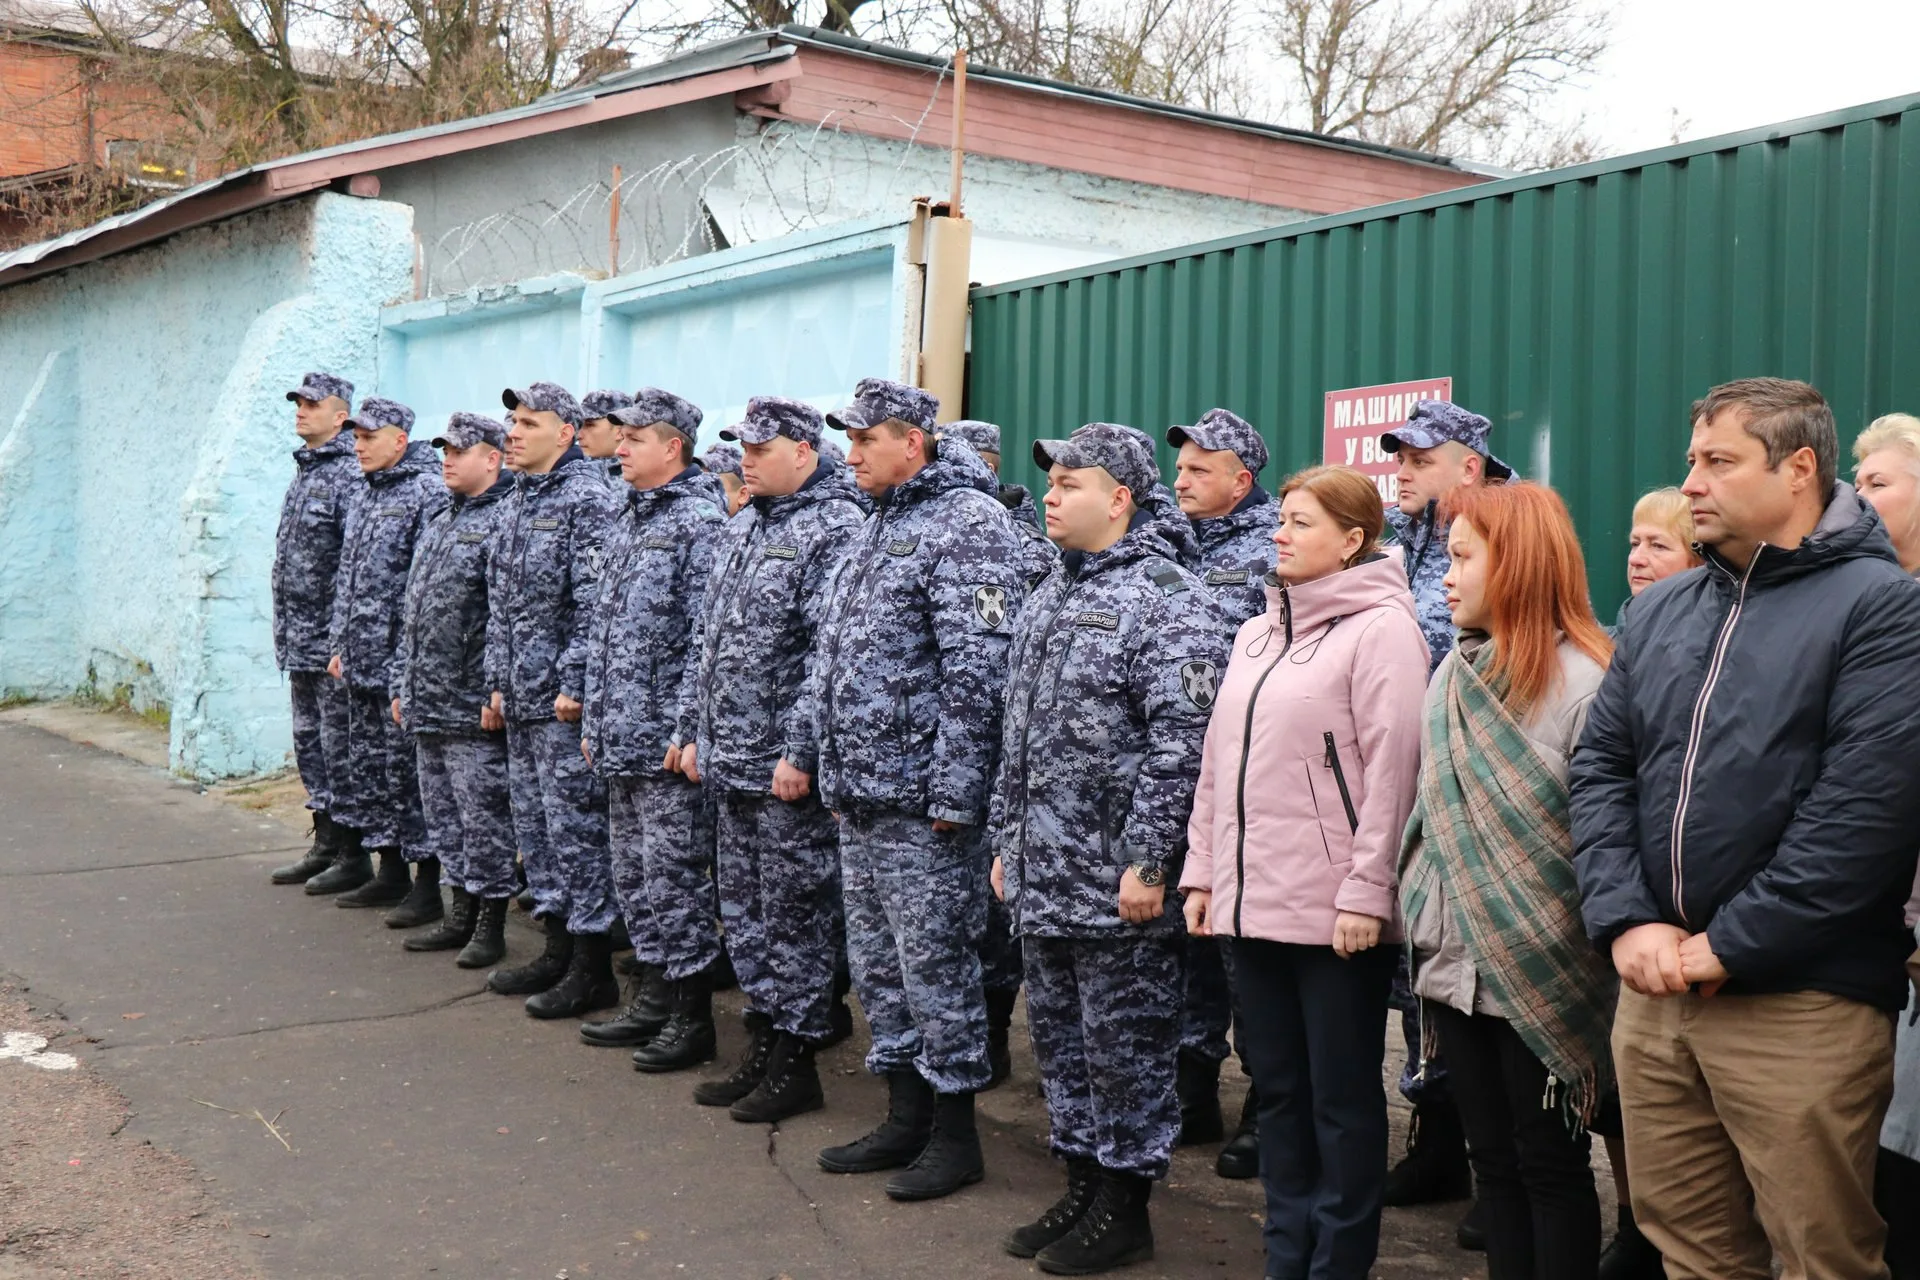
613 227
959 129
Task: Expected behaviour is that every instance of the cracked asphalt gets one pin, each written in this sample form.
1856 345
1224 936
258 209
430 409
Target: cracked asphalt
277 1089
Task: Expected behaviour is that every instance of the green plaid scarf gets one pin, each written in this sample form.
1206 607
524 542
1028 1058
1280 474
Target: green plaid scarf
1490 829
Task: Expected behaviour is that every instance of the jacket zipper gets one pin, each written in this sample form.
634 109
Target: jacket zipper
1340 777
1240 790
1026 719
1698 726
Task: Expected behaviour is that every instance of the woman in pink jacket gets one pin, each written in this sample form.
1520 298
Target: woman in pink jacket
1305 785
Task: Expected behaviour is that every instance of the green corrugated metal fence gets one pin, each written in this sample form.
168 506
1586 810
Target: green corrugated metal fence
1581 310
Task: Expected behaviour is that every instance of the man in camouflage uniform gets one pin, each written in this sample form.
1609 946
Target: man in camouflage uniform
543 580
999 948
1442 447
1114 673
440 696
747 730
306 559
722 462
1233 518
911 673
382 794
599 435
639 659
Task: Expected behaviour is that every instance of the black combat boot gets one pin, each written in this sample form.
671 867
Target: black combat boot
1113 1232
791 1086
543 970
589 983
747 1073
901 1137
1470 1233
422 904
1631 1256
687 1037
389 885
724 978
643 1017
455 931
351 866
525 900
318 857
489 945
1083 1184
999 1054
1198 1087
952 1158
1240 1158
1435 1168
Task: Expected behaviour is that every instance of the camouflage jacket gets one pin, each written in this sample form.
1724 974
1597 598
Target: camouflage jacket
749 705
913 658
1236 550
375 555
1423 543
1115 669
306 552
659 551
542 581
440 670
1038 553
1171 523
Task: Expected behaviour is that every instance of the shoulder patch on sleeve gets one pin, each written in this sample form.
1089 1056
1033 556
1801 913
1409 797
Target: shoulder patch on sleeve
1168 579
1199 684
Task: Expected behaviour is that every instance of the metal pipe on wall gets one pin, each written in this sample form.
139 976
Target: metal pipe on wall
949 258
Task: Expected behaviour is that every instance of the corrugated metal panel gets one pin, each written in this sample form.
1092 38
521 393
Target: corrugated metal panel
1582 311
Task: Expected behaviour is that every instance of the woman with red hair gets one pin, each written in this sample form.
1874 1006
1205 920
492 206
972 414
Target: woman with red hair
1512 993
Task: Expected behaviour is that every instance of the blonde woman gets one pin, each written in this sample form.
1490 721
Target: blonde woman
1888 476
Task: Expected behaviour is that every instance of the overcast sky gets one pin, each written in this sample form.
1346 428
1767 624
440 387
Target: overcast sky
1728 65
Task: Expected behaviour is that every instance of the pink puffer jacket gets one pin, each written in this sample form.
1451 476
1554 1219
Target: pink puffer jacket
1311 757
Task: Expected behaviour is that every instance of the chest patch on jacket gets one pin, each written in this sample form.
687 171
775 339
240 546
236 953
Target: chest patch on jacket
658 544
902 547
1098 618
474 535
1226 577
393 511
546 522
781 553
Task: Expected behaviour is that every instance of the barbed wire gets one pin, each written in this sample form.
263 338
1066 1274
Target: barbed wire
786 177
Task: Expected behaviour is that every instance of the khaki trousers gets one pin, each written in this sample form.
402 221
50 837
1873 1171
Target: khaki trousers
1752 1124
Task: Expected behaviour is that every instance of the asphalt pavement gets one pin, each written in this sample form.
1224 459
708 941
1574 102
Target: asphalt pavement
355 1111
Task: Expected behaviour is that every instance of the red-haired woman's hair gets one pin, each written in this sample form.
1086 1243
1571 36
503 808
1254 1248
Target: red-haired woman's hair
1536 584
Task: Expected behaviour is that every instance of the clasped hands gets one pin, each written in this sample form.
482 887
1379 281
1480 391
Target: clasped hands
1666 960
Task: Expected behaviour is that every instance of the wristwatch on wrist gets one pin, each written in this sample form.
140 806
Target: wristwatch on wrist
1150 874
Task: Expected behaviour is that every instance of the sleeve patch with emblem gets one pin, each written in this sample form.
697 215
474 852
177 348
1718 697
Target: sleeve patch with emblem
990 604
1199 684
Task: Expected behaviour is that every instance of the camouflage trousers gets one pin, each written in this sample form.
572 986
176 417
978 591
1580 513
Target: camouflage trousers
1207 1009
560 821
1104 1014
999 948
661 839
916 903
319 733
778 867
463 792
378 792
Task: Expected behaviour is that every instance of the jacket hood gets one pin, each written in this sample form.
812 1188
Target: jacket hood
829 480
1849 529
1257 510
955 466
419 460
1175 529
1019 502
492 494
692 482
1145 537
340 446
1379 580
572 462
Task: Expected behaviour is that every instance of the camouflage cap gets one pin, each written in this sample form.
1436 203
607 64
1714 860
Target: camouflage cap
465 430
545 397
1124 453
983 436
376 413
651 405
603 404
770 416
722 460
1434 422
875 400
318 386
1223 430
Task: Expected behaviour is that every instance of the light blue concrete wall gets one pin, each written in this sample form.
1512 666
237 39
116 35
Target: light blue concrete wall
146 450
806 316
